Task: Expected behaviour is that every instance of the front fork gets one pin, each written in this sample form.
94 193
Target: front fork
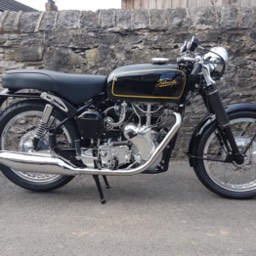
214 105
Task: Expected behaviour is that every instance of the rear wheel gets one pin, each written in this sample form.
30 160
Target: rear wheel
229 179
17 128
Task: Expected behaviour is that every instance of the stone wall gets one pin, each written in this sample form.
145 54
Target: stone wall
97 42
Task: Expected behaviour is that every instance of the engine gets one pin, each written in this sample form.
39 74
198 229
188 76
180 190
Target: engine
125 131
126 135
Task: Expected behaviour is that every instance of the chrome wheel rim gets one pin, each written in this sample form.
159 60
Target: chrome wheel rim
230 176
17 135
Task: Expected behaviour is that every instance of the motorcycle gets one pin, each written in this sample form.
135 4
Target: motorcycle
125 124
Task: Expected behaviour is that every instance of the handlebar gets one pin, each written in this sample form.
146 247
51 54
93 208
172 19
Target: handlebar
206 63
197 61
196 70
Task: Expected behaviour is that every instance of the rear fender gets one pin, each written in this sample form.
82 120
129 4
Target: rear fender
4 94
207 121
7 93
68 109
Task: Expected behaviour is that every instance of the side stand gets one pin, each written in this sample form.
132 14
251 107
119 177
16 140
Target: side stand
97 181
106 181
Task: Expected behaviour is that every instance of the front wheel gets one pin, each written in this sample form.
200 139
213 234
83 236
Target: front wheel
229 179
18 124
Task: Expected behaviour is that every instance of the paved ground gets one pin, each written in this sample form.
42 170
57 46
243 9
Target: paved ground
166 214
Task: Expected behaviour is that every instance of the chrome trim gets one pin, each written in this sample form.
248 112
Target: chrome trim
211 93
33 162
207 77
56 101
4 91
159 61
47 113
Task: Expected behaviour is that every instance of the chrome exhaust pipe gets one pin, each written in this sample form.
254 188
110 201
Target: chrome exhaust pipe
42 163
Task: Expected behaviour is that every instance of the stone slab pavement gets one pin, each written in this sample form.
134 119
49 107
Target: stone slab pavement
164 214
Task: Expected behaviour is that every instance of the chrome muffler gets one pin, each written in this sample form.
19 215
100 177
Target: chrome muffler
42 163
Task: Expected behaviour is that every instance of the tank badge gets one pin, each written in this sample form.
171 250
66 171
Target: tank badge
165 83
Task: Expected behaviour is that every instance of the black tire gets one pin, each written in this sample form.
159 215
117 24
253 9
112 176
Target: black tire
23 109
227 179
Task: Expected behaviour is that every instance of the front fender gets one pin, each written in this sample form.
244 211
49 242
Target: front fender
207 121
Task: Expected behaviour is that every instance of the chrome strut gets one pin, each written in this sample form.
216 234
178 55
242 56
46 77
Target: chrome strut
43 124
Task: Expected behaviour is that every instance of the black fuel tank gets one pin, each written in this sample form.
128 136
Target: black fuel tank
147 82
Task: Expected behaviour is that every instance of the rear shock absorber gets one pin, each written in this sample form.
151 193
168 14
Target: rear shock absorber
43 125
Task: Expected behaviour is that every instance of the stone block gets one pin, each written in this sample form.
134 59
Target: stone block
24 54
2 39
48 21
68 20
204 18
65 60
92 57
10 65
14 40
140 19
247 17
28 22
107 18
33 40
3 16
123 19
253 35
142 55
9 55
89 20
157 20
8 24
105 38
71 39
229 17
175 18
239 61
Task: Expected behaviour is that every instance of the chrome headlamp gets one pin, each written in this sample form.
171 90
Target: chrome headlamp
217 58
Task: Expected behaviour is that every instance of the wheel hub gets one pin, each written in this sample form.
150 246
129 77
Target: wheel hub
250 154
26 142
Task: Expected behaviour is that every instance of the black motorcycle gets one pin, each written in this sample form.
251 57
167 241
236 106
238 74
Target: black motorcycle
125 124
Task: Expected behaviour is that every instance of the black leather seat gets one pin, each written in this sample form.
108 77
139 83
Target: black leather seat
73 87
